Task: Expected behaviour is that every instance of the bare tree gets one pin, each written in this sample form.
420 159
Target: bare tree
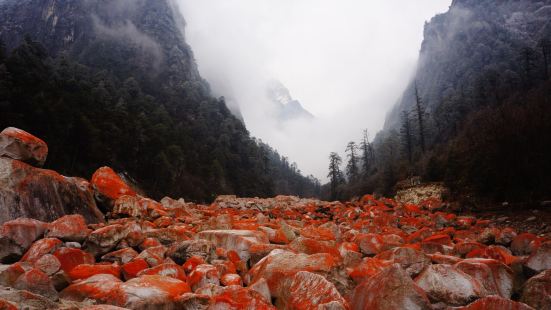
368 154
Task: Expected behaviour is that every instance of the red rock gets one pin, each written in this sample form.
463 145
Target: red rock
37 282
389 289
70 258
524 244
439 239
312 246
167 270
153 292
69 228
237 240
121 256
103 307
370 244
193 262
10 273
17 236
108 183
41 248
496 303
231 279
367 268
444 259
85 271
464 248
318 233
149 243
236 297
444 283
419 235
495 277
169 235
203 275
280 265
306 290
131 269
412 261
536 291
6 305
505 236
540 259
103 288
43 194
21 145
260 250
137 206
104 239
48 264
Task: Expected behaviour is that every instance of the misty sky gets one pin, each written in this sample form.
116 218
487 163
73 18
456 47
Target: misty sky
346 61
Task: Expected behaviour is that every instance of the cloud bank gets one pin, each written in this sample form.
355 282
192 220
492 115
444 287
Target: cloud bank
347 62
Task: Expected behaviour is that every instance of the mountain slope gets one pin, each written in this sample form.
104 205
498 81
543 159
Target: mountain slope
117 78
484 91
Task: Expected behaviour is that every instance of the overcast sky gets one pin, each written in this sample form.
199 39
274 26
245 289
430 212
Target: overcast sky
346 61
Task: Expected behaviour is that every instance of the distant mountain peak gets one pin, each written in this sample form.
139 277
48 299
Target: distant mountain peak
287 107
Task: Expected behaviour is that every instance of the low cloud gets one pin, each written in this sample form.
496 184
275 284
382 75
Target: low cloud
347 62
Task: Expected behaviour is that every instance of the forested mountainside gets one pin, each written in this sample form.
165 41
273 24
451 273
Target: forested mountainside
477 113
114 83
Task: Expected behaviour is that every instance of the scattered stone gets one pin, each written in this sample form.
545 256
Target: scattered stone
21 145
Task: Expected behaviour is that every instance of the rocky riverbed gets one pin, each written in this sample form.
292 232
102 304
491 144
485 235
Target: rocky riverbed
100 245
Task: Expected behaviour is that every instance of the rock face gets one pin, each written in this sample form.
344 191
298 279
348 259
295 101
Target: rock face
26 191
21 145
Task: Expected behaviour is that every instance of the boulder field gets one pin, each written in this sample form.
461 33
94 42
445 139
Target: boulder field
249 253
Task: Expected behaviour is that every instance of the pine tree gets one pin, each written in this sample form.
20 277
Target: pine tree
367 154
335 174
352 169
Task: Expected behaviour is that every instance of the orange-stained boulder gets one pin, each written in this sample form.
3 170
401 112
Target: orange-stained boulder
40 248
392 288
131 269
137 207
237 240
153 292
411 260
43 194
85 271
536 291
6 305
203 275
37 282
167 270
70 258
121 256
496 303
306 290
103 240
21 145
68 228
280 265
540 259
108 184
495 277
103 288
444 283
313 246
367 268
370 244
48 264
182 251
237 297
16 237
524 244
231 279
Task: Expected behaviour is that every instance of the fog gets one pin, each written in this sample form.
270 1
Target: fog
347 62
